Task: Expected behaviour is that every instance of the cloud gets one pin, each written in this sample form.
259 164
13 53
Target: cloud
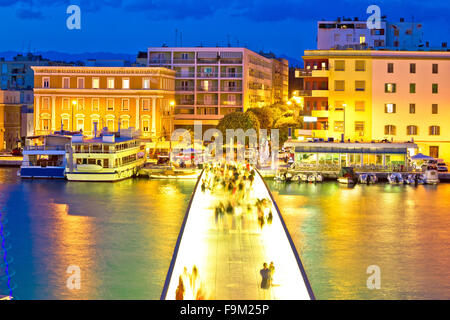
27 14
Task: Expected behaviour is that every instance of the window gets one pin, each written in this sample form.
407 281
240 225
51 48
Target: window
146 125
45 103
110 124
126 83
359 126
435 130
435 68
339 65
362 39
65 123
45 124
146 83
339 126
46 82
434 152
80 104
434 88
411 130
65 104
390 87
339 105
145 104
412 68
390 68
95 83
80 83
66 83
110 83
360 106
360 85
412 88
389 108
110 105
95 104
390 130
434 108
125 104
125 123
360 65
412 108
80 125
339 85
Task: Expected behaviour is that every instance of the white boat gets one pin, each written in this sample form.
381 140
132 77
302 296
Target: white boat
395 178
303 177
44 157
368 178
431 177
347 176
315 177
415 178
109 158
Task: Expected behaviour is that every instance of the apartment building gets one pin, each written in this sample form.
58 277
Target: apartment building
85 98
347 33
10 118
212 82
376 95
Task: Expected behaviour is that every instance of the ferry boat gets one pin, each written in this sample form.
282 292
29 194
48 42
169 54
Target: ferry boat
44 157
111 157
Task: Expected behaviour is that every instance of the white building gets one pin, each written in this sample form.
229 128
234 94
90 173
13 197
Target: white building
343 34
212 82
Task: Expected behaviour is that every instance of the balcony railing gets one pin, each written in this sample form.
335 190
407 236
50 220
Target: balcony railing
160 61
207 103
231 89
181 74
207 61
185 102
208 89
231 75
183 61
231 103
231 61
181 88
45 148
207 75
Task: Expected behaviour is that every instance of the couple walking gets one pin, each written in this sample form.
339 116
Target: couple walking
267 275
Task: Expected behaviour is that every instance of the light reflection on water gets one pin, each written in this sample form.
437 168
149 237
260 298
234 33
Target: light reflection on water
121 235
340 231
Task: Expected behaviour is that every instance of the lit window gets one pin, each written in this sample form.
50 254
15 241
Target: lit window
390 87
359 106
146 83
110 83
389 108
95 83
125 83
362 39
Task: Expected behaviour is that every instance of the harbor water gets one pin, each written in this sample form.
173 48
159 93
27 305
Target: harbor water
122 235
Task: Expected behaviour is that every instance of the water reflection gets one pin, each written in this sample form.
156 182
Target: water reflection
121 235
340 232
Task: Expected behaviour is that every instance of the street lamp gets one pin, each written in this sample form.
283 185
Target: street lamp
343 109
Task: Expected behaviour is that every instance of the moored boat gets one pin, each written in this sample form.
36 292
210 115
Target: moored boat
111 157
368 178
395 178
347 176
431 177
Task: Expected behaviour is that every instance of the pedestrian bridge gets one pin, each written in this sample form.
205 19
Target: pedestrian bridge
230 254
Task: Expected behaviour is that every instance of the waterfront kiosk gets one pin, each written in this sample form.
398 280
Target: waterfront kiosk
352 154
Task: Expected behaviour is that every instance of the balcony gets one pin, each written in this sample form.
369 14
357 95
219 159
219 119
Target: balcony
212 102
230 61
183 61
180 74
207 60
160 61
207 89
184 88
302 73
324 73
207 75
231 75
232 89
185 102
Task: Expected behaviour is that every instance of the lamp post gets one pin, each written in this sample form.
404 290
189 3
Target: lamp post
343 110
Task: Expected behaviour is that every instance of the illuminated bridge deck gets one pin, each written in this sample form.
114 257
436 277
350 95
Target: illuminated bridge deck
229 258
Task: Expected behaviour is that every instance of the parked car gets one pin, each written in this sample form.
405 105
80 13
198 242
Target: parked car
441 166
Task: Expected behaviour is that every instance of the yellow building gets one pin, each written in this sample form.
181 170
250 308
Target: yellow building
80 98
376 95
10 118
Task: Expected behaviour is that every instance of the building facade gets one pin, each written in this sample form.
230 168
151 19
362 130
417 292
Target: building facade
212 82
348 33
377 95
10 118
86 98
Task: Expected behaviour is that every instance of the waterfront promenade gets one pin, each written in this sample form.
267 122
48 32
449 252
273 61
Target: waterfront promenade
229 255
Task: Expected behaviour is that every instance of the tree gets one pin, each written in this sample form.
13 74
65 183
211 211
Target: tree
283 124
238 120
265 116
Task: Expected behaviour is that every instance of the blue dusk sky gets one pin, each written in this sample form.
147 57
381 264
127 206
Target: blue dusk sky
286 27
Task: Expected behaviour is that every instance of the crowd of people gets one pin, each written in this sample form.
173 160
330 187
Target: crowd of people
190 286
